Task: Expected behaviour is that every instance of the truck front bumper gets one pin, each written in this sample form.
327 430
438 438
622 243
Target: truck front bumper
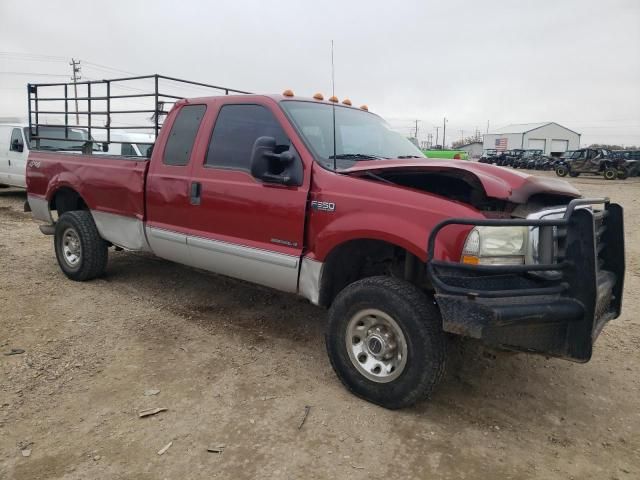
556 308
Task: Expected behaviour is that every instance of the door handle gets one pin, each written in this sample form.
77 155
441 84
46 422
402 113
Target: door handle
196 190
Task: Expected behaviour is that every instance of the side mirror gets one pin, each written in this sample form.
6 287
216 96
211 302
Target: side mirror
17 146
270 167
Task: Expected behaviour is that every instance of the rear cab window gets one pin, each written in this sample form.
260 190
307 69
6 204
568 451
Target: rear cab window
183 134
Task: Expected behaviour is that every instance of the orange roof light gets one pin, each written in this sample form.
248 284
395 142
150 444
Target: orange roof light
318 96
346 101
333 99
364 107
288 93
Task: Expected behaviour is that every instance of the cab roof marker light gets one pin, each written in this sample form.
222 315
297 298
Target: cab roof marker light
333 99
318 96
364 107
288 93
346 101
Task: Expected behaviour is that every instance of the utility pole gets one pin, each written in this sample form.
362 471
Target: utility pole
444 133
487 126
462 136
75 66
416 134
437 129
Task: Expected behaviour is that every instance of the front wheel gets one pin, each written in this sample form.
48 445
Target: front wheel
562 171
385 341
610 174
82 254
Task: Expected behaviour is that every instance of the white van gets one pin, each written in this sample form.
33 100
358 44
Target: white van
14 149
131 144
13 155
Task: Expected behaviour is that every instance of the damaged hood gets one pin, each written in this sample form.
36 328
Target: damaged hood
497 182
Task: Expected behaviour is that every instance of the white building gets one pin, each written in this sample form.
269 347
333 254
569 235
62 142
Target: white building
473 149
548 136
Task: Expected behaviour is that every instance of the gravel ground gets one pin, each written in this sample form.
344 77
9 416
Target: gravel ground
235 366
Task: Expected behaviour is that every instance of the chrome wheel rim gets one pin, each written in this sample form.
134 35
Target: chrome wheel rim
71 248
376 345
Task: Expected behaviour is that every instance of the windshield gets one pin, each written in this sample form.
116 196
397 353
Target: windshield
75 141
359 135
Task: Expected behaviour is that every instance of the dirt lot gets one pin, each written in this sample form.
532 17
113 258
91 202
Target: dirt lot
236 365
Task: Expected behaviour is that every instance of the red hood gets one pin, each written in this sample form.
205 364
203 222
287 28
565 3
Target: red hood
497 182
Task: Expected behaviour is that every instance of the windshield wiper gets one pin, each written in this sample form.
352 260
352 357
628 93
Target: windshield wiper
409 156
353 156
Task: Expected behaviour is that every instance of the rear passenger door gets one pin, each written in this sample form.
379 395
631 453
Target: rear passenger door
243 227
168 185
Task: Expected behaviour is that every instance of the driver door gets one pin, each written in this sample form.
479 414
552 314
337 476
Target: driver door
244 227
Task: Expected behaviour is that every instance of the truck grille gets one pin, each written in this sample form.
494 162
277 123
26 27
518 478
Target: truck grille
548 244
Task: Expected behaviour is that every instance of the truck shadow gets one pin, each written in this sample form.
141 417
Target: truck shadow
480 383
18 193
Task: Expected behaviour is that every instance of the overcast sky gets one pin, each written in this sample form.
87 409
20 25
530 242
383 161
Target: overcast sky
575 62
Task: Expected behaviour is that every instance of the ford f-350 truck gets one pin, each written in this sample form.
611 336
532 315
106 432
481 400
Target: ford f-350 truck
323 199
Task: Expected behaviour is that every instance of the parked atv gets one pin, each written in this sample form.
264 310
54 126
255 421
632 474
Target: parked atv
489 156
631 160
510 157
526 158
594 161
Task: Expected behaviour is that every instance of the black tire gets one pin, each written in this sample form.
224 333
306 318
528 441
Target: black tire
623 173
421 325
90 259
562 171
574 174
610 174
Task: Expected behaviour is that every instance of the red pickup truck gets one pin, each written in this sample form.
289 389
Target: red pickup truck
323 199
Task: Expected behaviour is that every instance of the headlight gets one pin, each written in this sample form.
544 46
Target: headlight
495 246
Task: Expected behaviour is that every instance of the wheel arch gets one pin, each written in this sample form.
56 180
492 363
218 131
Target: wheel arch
65 199
359 258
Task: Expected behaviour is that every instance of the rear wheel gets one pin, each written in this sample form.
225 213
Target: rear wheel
562 171
82 254
385 341
610 174
623 173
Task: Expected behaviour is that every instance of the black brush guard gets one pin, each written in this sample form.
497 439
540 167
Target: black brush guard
556 308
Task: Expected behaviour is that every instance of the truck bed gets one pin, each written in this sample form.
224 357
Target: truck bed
108 184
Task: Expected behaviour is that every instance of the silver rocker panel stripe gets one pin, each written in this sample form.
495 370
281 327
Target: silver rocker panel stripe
309 282
264 267
125 232
40 209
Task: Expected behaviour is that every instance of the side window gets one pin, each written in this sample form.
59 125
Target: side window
17 142
236 130
183 133
128 150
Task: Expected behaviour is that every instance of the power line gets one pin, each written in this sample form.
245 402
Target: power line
33 74
32 56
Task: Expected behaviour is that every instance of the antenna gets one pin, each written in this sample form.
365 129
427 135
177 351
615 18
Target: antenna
333 108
